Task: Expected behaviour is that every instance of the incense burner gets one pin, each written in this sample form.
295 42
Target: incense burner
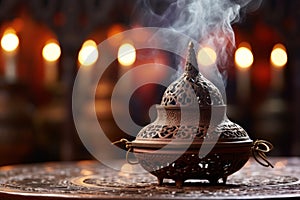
192 137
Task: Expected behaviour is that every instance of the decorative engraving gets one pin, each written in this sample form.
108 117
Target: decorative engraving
225 130
228 144
89 179
167 131
230 130
192 88
217 165
188 91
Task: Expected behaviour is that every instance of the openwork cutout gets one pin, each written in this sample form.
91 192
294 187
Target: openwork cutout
229 146
182 92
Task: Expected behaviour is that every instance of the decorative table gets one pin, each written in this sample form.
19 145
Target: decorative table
92 180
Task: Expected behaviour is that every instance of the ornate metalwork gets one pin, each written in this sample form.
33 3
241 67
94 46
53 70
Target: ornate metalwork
192 88
228 145
91 180
172 132
189 166
230 130
225 130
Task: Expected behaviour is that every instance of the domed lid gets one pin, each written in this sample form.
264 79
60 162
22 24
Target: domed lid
192 88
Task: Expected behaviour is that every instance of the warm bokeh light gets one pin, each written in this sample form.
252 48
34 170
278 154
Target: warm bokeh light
206 56
278 56
243 57
51 51
10 40
126 54
280 164
114 35
114 29
88 53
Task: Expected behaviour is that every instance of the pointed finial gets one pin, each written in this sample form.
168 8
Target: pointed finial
191 65
191 45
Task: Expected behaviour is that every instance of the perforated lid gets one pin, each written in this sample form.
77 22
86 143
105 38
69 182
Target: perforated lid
191 88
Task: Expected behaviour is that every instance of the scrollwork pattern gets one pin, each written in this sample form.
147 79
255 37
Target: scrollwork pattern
189 91
171 132
225 130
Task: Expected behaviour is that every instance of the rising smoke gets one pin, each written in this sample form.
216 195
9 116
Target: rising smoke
206 21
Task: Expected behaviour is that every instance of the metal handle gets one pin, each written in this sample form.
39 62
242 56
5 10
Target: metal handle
259 148
129 149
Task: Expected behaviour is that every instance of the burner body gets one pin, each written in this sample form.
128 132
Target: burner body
192 137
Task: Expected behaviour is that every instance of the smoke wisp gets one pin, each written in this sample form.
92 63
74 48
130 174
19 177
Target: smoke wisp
207 22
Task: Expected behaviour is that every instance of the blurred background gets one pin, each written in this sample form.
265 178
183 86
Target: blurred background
43 42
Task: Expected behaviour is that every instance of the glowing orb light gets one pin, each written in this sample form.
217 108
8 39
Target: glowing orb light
206 56
126 54
243 57
88 53
10 40
279 56
51 52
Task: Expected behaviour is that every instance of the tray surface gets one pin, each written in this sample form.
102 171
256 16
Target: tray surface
92 180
